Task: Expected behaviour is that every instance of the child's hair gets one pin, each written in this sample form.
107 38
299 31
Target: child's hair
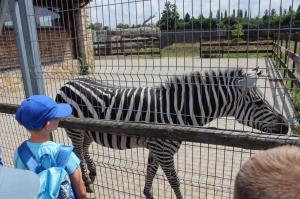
270 174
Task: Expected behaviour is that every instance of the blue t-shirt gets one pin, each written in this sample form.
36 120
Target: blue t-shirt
49 147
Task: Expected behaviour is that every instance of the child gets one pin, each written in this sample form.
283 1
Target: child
40 115
271 174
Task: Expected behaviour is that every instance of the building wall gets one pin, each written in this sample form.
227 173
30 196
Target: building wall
55 46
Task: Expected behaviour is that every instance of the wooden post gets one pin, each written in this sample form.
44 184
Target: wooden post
285 56
294 62
286 47
200 47
281 41
273 39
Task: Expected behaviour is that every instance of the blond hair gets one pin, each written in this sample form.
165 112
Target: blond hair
270 174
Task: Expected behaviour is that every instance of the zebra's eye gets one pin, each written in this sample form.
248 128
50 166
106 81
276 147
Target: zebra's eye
259 102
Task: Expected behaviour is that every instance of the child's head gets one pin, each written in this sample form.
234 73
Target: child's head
39 111
272 174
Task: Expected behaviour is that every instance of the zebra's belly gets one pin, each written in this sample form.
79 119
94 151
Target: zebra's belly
113 141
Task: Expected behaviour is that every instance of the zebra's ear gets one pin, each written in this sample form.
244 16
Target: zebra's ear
254 72
259 73
247 83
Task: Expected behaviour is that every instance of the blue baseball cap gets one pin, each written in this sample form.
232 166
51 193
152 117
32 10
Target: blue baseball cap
35 111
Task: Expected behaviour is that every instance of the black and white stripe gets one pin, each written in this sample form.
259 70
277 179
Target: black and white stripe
193 99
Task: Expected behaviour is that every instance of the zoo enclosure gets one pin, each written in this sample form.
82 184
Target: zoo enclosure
209 177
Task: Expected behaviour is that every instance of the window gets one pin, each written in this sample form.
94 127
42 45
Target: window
43 17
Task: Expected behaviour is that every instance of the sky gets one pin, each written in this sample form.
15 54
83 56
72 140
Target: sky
112 12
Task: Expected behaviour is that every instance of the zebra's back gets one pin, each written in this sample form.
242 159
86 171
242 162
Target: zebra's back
92 99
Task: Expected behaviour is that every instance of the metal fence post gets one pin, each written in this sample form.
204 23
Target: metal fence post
22 13
3 12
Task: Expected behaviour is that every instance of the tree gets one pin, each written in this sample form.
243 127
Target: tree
187 17
123 26
273 12
266 16
297 17
240 13
284 12
210 14
245 14
218 15
237 31
221 15
289 17
169 18
225 14
233 13
96 26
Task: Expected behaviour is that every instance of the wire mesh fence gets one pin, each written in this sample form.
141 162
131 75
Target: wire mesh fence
126 45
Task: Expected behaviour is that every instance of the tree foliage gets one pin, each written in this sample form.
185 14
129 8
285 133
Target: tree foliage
170 16
170 19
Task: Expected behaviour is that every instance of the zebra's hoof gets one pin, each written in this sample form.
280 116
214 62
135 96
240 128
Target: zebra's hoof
148 195
89 188
92 176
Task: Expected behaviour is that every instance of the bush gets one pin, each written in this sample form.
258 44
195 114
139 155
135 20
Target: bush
85 68
237 31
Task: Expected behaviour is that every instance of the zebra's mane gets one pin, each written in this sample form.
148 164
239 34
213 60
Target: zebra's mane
231 74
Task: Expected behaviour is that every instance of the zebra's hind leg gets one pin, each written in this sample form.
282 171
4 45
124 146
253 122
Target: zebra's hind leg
163 152
77 139
89 161
152 167
169 170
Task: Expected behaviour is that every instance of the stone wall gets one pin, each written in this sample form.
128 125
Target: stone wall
84 38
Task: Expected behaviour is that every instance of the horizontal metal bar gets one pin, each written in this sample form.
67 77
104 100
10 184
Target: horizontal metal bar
241 139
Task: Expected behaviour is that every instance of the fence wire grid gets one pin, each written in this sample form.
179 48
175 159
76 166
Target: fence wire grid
145 43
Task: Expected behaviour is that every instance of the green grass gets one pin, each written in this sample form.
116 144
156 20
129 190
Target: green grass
196 53
193 50
237 55
295 95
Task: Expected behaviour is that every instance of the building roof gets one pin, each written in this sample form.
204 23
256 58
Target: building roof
65 4
39 12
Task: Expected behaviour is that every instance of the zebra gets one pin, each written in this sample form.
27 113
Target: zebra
190 99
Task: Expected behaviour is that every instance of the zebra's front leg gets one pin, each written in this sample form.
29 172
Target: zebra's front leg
89 161
152 167
77 139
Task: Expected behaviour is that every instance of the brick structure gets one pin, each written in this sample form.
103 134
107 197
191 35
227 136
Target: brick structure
55 46
57 43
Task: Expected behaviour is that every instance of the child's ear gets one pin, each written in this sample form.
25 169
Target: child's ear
47 125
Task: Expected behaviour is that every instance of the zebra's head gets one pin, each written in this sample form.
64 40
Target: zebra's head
254 110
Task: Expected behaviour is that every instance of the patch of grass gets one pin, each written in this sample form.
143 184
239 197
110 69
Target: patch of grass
294 91
295 95
180 52
236 55
193 50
